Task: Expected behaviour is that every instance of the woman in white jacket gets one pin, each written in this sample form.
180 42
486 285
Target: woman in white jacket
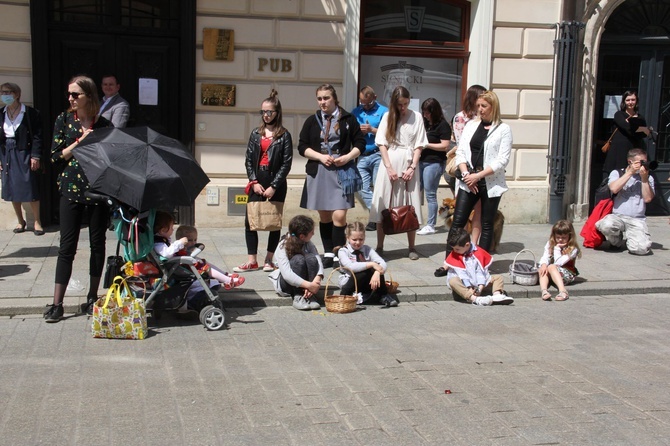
482 156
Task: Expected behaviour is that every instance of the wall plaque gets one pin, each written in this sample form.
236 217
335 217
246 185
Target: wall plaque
218 44
217 94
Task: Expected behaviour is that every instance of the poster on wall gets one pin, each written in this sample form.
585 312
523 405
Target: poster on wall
148 91
424 77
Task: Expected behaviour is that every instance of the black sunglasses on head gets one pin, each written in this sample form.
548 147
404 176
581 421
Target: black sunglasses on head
74 94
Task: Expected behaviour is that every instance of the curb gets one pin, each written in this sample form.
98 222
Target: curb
11 307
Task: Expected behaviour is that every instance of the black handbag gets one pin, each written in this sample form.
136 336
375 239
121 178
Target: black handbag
113 267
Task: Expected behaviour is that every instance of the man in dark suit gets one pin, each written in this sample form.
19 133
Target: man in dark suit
113 106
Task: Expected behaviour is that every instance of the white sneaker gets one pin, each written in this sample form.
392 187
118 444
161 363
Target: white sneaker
501 299
426 230
483 301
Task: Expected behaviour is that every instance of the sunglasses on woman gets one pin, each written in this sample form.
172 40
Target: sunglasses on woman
267 112
74 94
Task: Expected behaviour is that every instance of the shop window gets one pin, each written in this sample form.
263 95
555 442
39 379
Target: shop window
419 44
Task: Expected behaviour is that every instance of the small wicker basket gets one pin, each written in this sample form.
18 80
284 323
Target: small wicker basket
341 303
391 285
524 273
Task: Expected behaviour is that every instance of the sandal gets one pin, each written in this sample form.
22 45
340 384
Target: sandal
563 295
234 283
546 295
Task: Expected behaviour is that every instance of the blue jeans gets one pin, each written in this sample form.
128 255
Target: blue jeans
368 167
430 180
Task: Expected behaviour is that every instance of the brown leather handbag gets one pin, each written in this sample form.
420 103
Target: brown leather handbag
399 219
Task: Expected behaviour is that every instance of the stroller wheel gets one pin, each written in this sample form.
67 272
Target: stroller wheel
212 318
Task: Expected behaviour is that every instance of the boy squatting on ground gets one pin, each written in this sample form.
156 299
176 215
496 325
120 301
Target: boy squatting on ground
468 272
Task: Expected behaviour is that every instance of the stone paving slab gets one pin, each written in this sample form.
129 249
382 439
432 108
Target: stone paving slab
592 371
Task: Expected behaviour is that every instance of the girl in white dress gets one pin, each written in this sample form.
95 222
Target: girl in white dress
400 137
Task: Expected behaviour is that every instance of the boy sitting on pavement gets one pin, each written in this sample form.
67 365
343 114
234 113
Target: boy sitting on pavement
468 272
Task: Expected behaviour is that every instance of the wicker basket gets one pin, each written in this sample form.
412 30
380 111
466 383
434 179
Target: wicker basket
340 303
391 285
524 273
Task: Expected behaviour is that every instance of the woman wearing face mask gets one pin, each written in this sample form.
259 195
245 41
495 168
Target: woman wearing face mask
401 137
21 149
71 128
268 161
482 156
331 139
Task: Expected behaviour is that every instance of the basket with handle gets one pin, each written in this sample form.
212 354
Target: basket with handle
341 303
524 273
391 285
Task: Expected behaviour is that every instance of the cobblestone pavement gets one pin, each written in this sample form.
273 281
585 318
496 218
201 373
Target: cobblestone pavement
589 371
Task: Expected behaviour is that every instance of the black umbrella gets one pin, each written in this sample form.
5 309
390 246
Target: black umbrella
140 167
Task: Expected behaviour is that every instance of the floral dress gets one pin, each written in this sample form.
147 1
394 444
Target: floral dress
72 182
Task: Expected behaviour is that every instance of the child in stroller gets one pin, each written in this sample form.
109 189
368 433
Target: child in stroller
164 228
171 283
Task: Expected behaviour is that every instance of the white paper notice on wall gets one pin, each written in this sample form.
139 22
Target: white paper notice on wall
148 91
611 106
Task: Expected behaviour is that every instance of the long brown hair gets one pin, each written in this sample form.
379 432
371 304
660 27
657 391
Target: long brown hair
470 100
394 116
91 91
564 227
279 128
299 225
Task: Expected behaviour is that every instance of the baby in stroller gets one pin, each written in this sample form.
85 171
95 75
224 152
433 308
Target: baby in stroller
183 246
171 283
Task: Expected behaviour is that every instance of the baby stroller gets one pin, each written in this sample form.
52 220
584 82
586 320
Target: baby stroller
166 285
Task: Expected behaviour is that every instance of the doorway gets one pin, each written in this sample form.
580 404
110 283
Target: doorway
636 58
132 39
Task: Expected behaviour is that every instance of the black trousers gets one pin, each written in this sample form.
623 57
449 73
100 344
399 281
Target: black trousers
363 281
304 265
71 217
251 237
465 203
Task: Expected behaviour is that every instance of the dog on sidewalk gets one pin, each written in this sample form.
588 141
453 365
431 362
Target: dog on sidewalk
446 211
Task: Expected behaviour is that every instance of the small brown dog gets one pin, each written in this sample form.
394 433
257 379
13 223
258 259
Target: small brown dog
446 211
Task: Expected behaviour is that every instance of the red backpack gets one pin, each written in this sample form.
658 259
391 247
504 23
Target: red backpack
592 237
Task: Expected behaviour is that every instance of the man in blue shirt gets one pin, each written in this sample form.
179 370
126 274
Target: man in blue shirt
369 114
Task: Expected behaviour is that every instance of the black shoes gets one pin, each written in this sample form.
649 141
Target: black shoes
87 307
53 313
389 301
440 272
372 226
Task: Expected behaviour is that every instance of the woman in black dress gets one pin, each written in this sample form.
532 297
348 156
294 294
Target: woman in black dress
630 131
71 128
21 148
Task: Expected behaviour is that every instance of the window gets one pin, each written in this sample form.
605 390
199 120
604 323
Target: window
154 14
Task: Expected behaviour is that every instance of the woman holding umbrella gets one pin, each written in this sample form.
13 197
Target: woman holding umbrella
70 129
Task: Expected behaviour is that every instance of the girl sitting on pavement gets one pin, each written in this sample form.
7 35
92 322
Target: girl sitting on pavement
367 266
558 261
299 265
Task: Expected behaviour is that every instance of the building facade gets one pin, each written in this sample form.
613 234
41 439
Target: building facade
214 61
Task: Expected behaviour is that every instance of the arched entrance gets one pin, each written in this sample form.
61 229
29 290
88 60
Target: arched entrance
634 54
